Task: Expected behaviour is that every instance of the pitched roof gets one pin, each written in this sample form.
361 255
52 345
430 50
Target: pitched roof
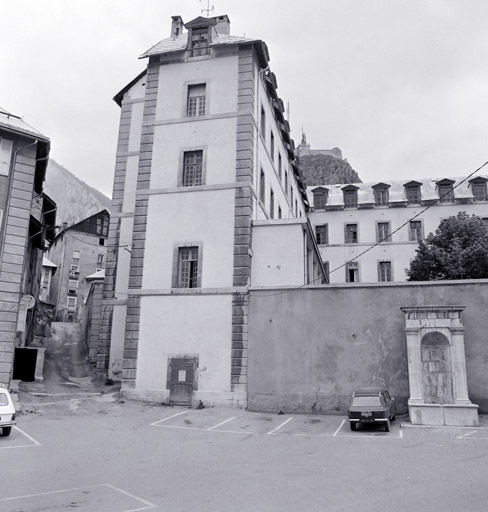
428 187
179 43
15 123
97 275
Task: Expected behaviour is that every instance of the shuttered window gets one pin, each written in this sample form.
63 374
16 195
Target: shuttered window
196 100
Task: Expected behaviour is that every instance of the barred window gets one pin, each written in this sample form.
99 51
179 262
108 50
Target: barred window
192 168
188 267
384 271
322 234
196 100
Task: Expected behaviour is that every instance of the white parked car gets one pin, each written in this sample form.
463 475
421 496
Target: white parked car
7 412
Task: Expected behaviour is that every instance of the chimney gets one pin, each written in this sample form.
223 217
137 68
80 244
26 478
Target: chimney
176 26
222 24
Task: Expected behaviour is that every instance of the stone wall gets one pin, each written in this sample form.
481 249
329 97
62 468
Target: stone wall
310 347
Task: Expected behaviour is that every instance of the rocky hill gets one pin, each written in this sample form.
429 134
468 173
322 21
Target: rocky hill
74 198
327 170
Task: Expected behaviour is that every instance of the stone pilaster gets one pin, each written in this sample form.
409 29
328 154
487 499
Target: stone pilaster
131 341
243 216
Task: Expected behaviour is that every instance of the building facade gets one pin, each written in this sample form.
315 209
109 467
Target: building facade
204 164
27 218
78 251
349 219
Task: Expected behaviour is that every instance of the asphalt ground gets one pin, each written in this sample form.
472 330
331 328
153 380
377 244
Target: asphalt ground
94 452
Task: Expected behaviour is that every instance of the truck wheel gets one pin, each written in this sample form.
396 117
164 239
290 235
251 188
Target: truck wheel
353 425
6 431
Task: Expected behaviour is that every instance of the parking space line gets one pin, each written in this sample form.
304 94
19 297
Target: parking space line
134 497
168 418
279 426
234 431
36 443
339 428
182 428
147 504
222 423
465 435
401 432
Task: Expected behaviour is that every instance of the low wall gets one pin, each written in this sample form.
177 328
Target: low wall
310 347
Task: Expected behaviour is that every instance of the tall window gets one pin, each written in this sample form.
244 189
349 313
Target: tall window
351 234
105 225
196 100
350 198
446 193
322 234
286 182
280 214
188 267
76 254
381 196
272 146
415 230
413 194
262 189
100 258
262 128
352 272
271 204
479 191
280 165
5 155
192 168
199 42
384 271
291 198
383 232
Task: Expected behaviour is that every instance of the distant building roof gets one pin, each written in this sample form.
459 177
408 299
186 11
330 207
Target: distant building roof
97 275
48 263
396 190
17 124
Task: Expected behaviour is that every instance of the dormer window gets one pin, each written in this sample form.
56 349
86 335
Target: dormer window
478 188
350 196
446 191
320 196
381 194
199 42
412 192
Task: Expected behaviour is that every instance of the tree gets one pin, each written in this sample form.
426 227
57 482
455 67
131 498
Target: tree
457 250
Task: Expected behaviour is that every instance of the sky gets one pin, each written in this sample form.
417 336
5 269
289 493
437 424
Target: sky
400 86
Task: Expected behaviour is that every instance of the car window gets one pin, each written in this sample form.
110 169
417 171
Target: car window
360 401
3 399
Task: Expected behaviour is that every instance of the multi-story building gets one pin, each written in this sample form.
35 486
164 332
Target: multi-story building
205 178
78 251
350 219
27 218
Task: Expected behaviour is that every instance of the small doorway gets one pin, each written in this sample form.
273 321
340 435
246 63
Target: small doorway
436 369
181 380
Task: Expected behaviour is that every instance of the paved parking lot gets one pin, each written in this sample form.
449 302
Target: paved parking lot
99 454
248 423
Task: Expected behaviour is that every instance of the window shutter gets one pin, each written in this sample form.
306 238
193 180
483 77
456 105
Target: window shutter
5 156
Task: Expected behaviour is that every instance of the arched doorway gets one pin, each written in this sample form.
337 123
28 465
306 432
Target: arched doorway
437 378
